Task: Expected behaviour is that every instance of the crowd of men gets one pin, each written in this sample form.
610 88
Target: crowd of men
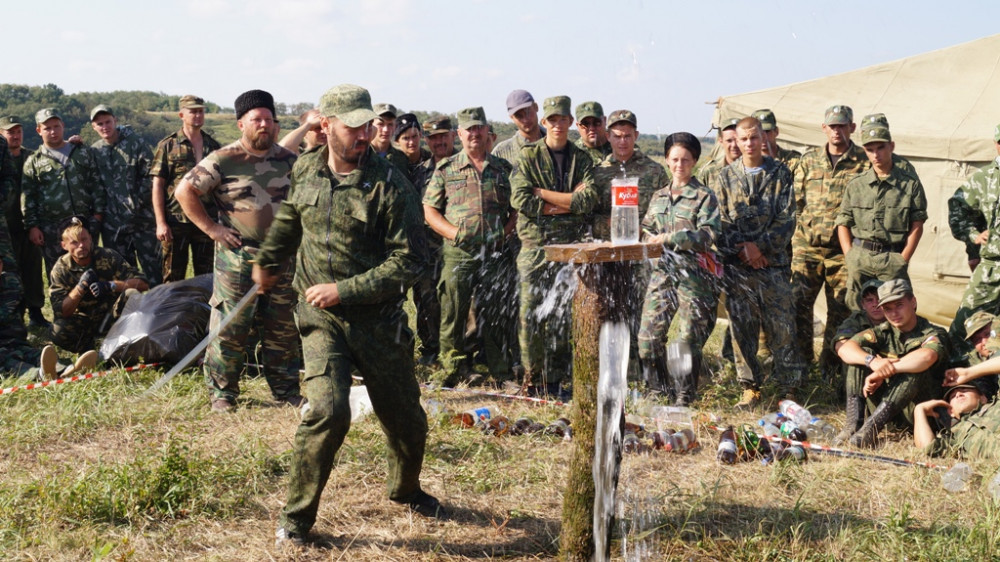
339 219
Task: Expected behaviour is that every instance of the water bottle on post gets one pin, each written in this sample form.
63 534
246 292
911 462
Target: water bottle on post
625 210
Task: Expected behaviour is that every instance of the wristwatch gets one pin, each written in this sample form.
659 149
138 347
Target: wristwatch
868 360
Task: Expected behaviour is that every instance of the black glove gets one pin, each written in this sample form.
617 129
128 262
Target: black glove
89 277
101 289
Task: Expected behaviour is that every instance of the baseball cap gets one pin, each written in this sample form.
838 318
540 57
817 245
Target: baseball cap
191 101
622 115
893 291
470 117
383 108
44 115
971 385
99 109
556 105
767 120
589 109
838 115
8 122
349 103
979 320
875 133
518 99
869 285
437 125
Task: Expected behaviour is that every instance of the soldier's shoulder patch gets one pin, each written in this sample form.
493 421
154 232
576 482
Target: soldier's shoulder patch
868 335
931 339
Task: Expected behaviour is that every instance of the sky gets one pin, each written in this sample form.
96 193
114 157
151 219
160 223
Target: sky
665 60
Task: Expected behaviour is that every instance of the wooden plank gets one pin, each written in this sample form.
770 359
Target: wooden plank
601 252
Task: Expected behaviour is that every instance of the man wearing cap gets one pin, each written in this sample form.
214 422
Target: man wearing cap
307 135
248 179
968 422
982 363
591 123
881 217
61 180
407 139
553 192
729 153
901 362
974 218
523 112
868 316
175 155
769 124
757 207
880 120
26 255
821 177
352 274
384 128
468 204
129 226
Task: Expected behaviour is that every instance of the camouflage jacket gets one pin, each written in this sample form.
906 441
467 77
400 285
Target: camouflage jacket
758 209
708 174
397 158
882 210
364 231
510 149
66 273
534 168
857 322
975 435
125 171
247 188
12 330
478 204
976 205
692 207
819 191
652 178
9 175
15 216
788 157
51 192
598 153
172 160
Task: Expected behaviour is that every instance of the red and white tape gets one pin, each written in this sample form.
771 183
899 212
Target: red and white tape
75 378
497 395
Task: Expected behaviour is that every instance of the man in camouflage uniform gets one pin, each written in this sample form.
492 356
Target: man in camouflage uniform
898 363
468 204
591 123
973 206
523 112
307 135
89 288
351 276
60 180
880 120
881 217
982 363
248 179
757 207
972 426
708 175
552 188
769 124
385 129
175 155
17 356
868 316
821 177
129 226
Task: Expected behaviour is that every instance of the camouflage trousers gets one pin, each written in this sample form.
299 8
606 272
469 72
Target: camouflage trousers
376 341
18 358
138 245
78 332
273 317
7 247
812 268
545 334
428 307
863 265
757 298
904 390
29 266
492 278
186 236
982 293
681 290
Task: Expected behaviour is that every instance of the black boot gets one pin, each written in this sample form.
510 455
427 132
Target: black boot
36 319
855 417
867 436
654 375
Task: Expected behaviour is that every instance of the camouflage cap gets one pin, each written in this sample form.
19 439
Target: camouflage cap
556 105
8 122
44 115
518 99
875 133
979 320
996 133
868 286
730 123
838 115
977 385
893 291
873 119
437 125
191 101
383 108
622 115
589 109
470 117
99 109
768 122
349 103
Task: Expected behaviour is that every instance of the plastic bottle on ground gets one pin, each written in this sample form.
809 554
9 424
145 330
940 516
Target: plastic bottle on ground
476 416
957 478
794 412
820 431
727 452
769 428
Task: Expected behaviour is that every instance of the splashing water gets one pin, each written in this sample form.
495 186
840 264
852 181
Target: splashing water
560 295
611 390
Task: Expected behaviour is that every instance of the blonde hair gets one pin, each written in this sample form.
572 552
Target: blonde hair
73 231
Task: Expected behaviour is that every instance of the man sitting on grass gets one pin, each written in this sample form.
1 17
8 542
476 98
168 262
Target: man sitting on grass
969 424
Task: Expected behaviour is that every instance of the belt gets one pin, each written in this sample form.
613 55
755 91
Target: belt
247 242
879 247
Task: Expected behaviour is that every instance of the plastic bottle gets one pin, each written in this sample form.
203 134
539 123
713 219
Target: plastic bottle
727 452
521 426
632 444
775 418
794 412
475 416
957 478
684 441
559 428
669 415
769 428
634 424
792 431
994 486
497 425
434 408
625 210
821 431
795 453
663 440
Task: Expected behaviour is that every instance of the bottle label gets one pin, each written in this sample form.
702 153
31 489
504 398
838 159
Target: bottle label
727 447
481 414
625 196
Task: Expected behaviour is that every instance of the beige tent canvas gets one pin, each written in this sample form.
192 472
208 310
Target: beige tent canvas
942 107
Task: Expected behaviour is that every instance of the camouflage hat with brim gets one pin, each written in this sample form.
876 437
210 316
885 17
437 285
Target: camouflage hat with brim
730 123
622 116
44 115
385 109
351 104
971 385
768 122
437 125
8 122
589 109
470 117
873 119
869 286
979 320
99 109
893 291
838 115
556 105
875 133
191 101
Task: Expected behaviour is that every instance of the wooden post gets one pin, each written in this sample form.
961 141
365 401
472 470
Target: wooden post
600 296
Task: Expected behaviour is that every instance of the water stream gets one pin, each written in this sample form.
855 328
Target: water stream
611 390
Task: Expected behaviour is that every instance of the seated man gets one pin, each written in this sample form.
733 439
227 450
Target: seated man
982 364
869 316
969 424
89 287
905 357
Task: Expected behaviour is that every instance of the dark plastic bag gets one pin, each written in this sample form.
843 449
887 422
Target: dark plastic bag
162 325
